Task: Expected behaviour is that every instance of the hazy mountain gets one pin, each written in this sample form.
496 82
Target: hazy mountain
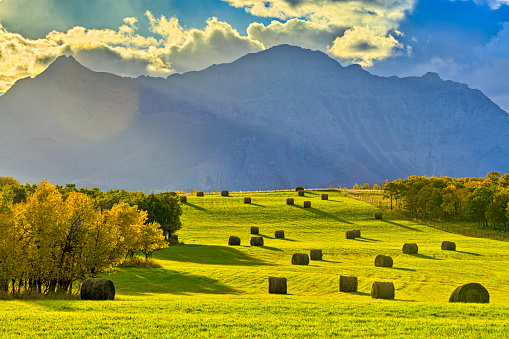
275 119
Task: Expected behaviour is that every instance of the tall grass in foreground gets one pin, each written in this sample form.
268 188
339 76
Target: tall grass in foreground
209 289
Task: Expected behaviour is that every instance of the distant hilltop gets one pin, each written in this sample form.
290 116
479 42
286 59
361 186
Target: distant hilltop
276 119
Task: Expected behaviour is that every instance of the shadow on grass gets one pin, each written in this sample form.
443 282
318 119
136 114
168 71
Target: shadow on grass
403 269
270 248
470 253
422 256
366 239
257 205
402 226
331 261
142 281
274 238
322 214
194 206
208 254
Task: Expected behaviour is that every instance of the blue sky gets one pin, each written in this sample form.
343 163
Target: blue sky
461 40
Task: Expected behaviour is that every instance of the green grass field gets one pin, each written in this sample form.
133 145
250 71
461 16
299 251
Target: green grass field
209 289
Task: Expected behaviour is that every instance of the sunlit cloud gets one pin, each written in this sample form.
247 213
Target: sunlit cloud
357 31
364 30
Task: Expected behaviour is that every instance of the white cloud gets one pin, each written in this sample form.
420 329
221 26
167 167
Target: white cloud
363 45
218 42
368 25
297 32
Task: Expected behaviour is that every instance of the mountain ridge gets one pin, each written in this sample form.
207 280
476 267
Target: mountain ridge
307 120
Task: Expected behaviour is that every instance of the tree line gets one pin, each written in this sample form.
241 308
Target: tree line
52 236
484 201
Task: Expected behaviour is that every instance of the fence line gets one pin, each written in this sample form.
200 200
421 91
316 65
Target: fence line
470 232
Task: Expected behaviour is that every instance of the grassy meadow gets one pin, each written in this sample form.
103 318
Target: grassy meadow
206 288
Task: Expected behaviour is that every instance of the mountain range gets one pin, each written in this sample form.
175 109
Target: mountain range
276 119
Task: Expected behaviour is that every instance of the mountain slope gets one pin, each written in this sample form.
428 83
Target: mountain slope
275 119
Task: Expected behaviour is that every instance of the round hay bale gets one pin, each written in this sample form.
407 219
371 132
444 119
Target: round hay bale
200 194
378 215
277 285
410 248
347 284
256 241
307 204
234 241
470 293
255 230
448 246
382 290
97 289
290 201
325 197
357 233
247 200
279 234
299 188
301 193
383 261
183 198
315 255
300 259
225 193
350 234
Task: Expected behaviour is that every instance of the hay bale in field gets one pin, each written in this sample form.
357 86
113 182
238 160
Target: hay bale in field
448 246
277 285
382 290
357 233
299 188
200 194
255 230
470 293
300 259
97 289
315 254
383 261
378 215
325 197
410 248
225 193
256 241
247 200
183 198
350 234
301 193
347 284
234 241
307 204
279 234
290 201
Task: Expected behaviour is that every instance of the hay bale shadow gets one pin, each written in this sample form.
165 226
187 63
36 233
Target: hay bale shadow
257 205
470 253
423 256
270 248
403 269
363 239
194 206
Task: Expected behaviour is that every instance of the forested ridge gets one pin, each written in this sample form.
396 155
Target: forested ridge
53 236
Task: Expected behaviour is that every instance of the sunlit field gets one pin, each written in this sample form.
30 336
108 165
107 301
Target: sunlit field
206 288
